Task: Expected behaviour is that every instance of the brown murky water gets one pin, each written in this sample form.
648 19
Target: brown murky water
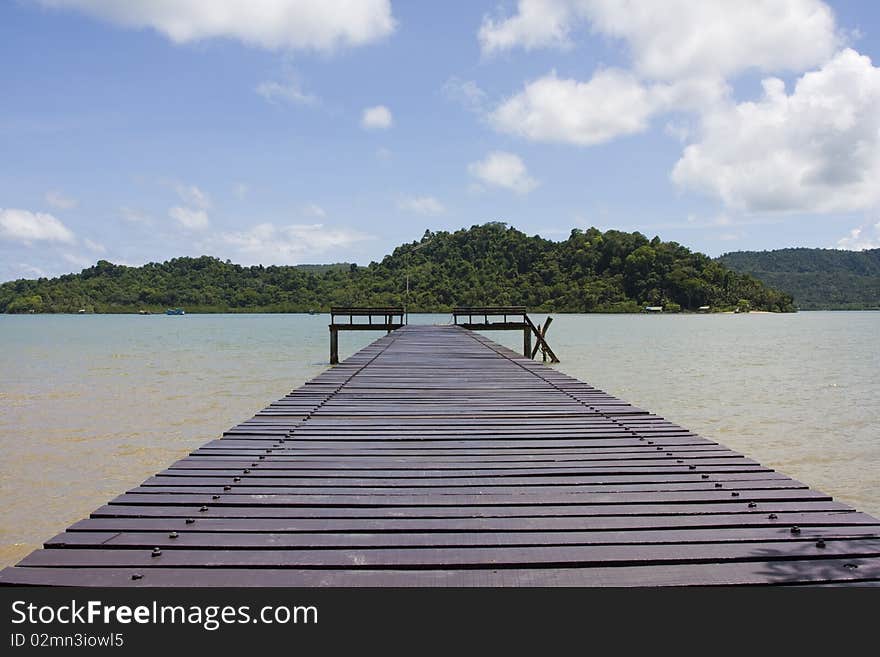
90 406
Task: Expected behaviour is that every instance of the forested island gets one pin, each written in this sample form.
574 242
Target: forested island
818 279
490 264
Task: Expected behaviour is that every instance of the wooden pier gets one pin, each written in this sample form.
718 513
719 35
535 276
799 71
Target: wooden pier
435 457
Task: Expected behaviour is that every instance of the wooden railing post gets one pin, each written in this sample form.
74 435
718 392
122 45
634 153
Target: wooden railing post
527 342
334 345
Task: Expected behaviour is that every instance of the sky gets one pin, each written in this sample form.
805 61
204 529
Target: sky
310 131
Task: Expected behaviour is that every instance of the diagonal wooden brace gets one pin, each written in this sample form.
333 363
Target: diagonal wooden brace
541 343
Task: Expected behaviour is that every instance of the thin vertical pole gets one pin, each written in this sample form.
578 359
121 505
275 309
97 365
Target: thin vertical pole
527 342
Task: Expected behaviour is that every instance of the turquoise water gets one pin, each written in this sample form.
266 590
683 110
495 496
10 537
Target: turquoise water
91 405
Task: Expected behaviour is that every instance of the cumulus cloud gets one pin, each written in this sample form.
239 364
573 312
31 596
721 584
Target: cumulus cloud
192 195
421 205
680 38
268 243
58 200
866 236
502 169
189 218
675 39
466 93
537 24
814 150
376 118
314 210
289 92
323 25
94 246
77 260
682 54
612 103
24 270
133 216
28 227
194 214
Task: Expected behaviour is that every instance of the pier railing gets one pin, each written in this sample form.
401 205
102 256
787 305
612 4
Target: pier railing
381 318
507 318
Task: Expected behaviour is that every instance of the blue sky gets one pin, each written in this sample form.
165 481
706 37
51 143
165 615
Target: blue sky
292 131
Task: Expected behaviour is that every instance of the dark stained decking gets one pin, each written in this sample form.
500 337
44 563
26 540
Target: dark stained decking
436 457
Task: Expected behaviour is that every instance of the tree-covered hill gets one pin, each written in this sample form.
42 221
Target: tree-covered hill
491 264
817 278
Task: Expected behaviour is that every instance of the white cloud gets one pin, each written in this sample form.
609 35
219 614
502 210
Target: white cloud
814 150
676 39
192 195
270 244
30 271
58 200
678 130
681 38
133 216
611 104
537 24
189 218
273 24
94 246
314 210
27 227
466 93
377 118
421 205
77 260
194 214
502 169
682 54
290 92
866 236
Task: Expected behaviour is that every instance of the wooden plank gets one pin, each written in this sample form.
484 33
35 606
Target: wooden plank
812 571
530 473
377 498
244 481
496 556
513 510
305 540
229 487
167 523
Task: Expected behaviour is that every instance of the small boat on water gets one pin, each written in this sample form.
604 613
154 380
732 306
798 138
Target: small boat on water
175 311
